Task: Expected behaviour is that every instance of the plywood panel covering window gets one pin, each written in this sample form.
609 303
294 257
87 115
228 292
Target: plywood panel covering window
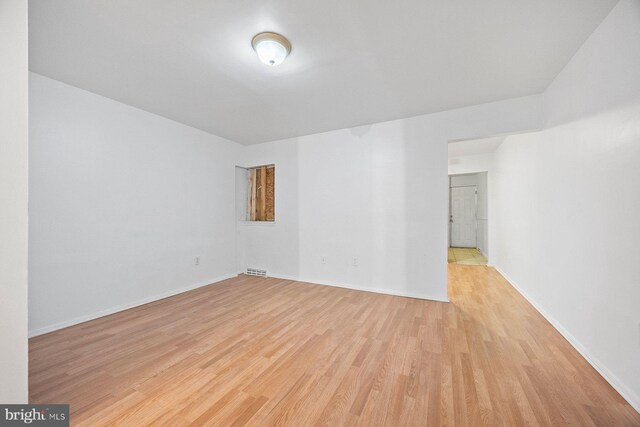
262 193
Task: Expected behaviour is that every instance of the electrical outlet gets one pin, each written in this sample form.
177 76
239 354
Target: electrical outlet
196 261
323 259
355 262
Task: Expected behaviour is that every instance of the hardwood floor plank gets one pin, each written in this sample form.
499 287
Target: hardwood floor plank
255 351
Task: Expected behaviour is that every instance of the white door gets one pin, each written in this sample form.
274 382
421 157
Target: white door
463 217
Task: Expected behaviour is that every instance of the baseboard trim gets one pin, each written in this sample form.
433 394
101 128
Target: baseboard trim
609 376
360 288
106 312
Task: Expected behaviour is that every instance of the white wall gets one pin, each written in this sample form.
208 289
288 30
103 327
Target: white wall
482 213
569 202
470 164
242 193
121 202
14 143
242 200
274 246
377 193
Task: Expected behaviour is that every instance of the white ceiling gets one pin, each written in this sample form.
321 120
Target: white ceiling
472 147
353 61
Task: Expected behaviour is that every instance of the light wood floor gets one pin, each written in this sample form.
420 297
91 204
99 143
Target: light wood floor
252 351
466 256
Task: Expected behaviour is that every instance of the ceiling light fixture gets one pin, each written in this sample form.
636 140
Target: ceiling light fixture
272 48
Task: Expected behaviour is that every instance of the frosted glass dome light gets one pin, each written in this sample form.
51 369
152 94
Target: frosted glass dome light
271 48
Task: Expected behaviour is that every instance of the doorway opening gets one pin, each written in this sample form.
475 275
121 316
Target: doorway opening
468 223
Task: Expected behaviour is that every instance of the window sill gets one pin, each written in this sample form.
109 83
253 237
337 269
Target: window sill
257 223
